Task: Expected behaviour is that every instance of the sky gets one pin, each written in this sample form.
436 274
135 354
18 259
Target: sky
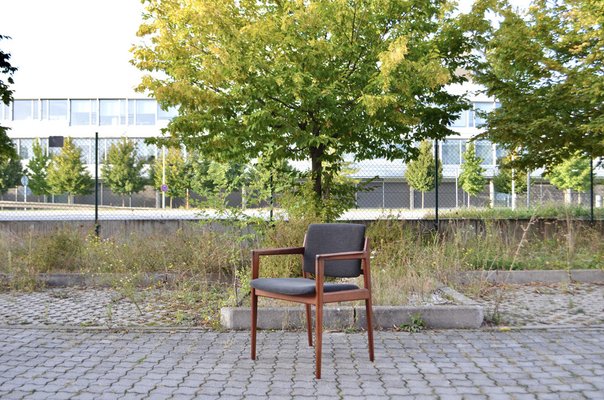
71 48
76 48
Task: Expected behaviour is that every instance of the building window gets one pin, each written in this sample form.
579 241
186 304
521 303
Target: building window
484 150
113 112
83 112
451 152
145 112
461 121
54 110
4 112
166 115
25 110
146 152
26 148
87 147
478 114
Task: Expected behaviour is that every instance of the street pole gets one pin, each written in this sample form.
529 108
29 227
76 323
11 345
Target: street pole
163 178
591 192
436 184
97 227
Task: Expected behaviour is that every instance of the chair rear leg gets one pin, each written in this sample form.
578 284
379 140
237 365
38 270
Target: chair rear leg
254 322
368 313
308 324
319 339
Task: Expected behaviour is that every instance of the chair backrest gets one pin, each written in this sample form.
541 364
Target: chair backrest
334 238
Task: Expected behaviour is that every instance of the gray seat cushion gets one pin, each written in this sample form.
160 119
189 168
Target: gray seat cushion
297 286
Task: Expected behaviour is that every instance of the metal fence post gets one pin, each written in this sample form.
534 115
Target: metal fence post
97 226
436 184
591 189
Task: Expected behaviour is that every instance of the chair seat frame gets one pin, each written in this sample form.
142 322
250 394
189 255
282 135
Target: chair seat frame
319 298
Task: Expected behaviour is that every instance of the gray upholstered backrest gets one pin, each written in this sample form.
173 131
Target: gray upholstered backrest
334 238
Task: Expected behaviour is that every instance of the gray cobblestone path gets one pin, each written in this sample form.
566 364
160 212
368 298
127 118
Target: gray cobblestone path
38 363
540 304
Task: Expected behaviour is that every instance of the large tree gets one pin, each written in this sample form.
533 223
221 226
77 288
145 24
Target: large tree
309 80
7 147
67 173
421 173
545 67
122 171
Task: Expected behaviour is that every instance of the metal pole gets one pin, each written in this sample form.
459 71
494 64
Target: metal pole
591 184
272 187
97 227
163 178
436 184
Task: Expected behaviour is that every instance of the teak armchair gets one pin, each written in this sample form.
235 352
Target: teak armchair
329 250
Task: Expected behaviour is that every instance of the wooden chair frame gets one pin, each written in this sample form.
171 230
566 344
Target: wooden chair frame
319 298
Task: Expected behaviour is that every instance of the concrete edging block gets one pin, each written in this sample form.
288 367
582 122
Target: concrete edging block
385 317
535 276
239 318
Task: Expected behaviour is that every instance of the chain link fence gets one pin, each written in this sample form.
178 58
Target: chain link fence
383 190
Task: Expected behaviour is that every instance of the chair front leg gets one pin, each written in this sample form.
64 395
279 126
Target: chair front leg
319 338
254 321
368 313
309 324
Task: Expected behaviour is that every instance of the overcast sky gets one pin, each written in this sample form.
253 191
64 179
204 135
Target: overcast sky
71 48
74 48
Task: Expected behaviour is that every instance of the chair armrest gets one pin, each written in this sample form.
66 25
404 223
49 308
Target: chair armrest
346 255
271 252
278 251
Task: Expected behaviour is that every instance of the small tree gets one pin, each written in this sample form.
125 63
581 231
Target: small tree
506 174
571 174
10 173
67 173
37 171
122 171
173 167
420 173
471 179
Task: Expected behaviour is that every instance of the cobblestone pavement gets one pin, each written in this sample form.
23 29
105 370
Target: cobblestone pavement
82 307
573 304
40 363
49 351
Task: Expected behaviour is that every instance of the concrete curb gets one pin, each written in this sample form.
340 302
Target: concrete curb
466 314
62 280
341 318
535 276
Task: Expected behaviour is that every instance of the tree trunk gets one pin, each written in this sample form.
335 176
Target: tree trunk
469 200
411 198
70 199
316 157
568 196
123 202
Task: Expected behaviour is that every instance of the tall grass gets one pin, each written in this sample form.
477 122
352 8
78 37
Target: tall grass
405 259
